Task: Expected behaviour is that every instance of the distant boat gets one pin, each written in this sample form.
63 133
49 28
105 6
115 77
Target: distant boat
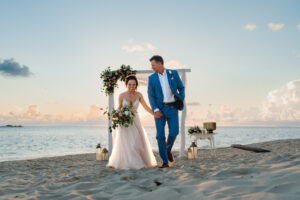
11 126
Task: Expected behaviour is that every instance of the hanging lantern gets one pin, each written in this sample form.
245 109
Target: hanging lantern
194 150
98 152
190 153
104 154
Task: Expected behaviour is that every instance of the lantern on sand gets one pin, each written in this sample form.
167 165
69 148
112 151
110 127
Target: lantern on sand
190 153
194 150
104 154
98 152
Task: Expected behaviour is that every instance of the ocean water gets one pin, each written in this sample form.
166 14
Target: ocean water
35 142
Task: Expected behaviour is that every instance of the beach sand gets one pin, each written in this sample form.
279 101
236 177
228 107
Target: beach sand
232 174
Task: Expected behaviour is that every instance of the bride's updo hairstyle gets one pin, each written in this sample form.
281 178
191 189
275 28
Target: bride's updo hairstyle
131 77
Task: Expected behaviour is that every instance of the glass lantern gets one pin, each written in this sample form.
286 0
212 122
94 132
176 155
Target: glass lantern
98 152
194 150
190 153
104 154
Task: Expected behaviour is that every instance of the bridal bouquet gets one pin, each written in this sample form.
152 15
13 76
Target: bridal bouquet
194 130
123 117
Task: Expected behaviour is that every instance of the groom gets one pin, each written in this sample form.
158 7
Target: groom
166 96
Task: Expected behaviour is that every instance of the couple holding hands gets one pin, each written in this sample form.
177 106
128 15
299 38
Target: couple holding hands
132 149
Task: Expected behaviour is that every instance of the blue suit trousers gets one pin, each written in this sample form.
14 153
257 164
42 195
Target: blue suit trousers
170 115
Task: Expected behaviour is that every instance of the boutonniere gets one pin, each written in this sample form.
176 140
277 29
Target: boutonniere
172 78
170 72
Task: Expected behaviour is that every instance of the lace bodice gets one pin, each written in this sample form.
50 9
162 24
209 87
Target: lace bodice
135 104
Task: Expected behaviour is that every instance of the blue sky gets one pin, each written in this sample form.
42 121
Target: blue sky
66 44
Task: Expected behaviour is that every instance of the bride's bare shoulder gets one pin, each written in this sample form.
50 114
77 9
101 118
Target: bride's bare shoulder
140 95
122 95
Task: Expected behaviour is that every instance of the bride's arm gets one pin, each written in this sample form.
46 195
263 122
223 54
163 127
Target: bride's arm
144 104
120 101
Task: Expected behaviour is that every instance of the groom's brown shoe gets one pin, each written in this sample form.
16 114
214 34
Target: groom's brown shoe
164 166
170 157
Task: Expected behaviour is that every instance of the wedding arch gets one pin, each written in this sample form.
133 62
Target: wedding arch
110 92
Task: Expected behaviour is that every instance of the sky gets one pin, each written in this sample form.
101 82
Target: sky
244 58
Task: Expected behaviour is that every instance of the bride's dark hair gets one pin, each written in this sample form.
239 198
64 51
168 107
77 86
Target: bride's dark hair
131 77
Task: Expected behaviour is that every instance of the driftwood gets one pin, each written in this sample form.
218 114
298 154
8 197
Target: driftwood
249 148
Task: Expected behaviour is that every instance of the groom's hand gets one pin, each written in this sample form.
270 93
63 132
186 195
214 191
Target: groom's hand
158 114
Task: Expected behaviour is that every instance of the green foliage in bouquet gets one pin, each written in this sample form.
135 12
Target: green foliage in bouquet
194 130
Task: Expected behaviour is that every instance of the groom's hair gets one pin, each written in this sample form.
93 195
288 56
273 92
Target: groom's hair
157 58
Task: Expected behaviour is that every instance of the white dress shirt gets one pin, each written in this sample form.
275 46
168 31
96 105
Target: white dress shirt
167 92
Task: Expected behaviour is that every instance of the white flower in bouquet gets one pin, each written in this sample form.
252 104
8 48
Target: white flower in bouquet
123 117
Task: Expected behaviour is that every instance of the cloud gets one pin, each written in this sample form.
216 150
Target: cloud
250 27
94 113
225 115
10 67
33 116
174 64
150 47
283 103
32 112
131 47
298 26
275 27
280 108
298 55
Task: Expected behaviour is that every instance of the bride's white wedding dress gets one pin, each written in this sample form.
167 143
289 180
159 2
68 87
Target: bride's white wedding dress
131 148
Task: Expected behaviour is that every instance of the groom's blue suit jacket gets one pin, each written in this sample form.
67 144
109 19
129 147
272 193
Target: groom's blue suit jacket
155 93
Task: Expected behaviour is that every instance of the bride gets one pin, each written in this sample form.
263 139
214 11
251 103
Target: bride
132 149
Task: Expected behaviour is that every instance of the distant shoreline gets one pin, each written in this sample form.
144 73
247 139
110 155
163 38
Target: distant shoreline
11 126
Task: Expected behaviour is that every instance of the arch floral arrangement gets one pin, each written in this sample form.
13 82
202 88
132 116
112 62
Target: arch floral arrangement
110 77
